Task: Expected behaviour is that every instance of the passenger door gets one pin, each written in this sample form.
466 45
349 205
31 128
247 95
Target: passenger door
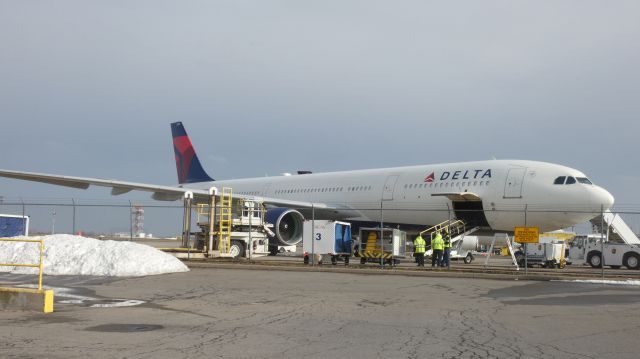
513 183
389 186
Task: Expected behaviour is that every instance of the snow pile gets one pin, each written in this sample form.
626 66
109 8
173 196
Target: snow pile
600 281
73 255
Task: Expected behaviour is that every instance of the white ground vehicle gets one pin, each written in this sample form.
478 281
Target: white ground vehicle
249 234
545 254
464 249
329 238
589 250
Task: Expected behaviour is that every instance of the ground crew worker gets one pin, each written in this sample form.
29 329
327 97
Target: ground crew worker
419 245
446 253
437 245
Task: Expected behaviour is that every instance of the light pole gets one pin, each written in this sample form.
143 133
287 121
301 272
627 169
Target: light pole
53 221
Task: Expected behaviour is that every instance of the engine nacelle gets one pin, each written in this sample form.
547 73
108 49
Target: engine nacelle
287 225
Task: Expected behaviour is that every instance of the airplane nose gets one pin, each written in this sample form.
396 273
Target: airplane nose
602 197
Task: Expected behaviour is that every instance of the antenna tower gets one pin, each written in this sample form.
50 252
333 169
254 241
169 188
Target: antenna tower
137 212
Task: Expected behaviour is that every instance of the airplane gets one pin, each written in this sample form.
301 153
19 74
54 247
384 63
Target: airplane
495 195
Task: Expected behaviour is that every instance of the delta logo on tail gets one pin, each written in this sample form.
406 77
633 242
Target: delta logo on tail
189 168
183 150
459 175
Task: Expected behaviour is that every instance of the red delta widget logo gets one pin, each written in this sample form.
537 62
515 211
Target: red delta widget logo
459 175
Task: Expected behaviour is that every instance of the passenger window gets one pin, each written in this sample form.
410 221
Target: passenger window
559 180
570 180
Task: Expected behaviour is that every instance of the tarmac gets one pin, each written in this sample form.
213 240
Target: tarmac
230 310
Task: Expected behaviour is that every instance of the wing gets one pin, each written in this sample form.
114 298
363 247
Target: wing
161 193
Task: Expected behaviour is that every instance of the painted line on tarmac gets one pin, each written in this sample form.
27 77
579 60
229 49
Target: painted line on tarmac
64 292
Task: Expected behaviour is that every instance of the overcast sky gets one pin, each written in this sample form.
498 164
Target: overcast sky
89 88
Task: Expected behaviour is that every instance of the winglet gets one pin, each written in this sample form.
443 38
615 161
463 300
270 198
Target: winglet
189 168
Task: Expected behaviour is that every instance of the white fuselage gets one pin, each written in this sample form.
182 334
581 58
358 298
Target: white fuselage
511 192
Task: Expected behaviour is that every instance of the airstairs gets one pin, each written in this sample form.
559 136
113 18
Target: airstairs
618 230
456 228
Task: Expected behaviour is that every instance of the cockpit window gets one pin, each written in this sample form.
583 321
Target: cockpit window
559 180
570 180
584 180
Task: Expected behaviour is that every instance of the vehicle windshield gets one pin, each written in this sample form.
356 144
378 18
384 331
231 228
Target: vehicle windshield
584 180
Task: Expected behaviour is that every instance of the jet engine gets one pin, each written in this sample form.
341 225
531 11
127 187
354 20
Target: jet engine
287 225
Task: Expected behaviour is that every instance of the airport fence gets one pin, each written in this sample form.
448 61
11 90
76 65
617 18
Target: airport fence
133 219
97 217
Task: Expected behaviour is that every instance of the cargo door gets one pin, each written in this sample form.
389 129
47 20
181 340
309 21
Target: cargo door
389 186
513 183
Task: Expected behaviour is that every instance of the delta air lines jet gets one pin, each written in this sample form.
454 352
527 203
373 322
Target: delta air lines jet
496 195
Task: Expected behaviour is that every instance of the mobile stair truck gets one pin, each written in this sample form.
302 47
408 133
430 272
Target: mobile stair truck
388 250
327 238
588 249
621 245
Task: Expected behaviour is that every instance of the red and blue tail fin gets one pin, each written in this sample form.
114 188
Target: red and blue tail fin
189 168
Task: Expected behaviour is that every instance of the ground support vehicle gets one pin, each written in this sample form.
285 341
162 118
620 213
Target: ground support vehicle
466 256
390 250
321 238
238 232
463 245
464 249
590 250
546 255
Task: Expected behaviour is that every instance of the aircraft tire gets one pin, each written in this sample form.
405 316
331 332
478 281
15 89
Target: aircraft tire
468 258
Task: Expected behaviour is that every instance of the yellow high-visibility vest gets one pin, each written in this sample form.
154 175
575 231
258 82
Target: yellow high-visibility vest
419 245
437 243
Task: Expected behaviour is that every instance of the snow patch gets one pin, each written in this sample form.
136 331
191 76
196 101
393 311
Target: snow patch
66 254
600 281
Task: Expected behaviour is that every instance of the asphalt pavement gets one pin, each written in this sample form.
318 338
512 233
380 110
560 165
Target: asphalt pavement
248 313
